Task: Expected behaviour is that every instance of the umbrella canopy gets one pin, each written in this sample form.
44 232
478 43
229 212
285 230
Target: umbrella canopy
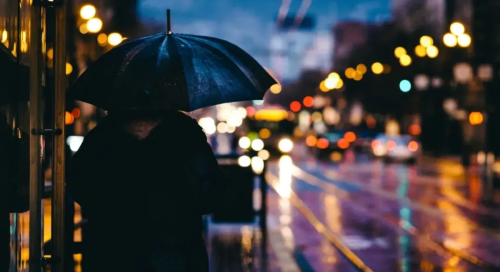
172 71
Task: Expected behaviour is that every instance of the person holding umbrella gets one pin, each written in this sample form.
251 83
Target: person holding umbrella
146 174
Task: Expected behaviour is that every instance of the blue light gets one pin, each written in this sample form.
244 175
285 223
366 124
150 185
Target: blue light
405 86
258 102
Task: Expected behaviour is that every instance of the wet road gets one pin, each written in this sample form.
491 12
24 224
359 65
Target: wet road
395 217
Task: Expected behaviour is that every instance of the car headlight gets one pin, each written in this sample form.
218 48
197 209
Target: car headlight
285 145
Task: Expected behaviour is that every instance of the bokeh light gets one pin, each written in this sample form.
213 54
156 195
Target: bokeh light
311 140
264 154
457 28
378 68
405 86
322 143
244 142
87 12
405 60
295 106
426 41
420 51
343 143
399 51
94 25
308 101
432 51
361 68
464 40
115 39
350 72
265 133
102 39
257 144
275 89
450 40
350 136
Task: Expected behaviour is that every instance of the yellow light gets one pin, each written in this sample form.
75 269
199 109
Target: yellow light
336 156
334 75
322 86
450 40
378 68
317 116
350 72
457 28
264 154
275 89
464 40
5 35
330 83
420 51
94 25
358 76
83 29
432 51
399 51
115 39
271 115
361 68
340 84
405 60
102 39
50 53
87 12
426 41
265 133
69 68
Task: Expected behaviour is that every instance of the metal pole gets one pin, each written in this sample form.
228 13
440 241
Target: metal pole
59 192
36 182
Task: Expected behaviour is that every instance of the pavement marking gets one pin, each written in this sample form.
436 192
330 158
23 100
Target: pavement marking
320 227
432 243
284 256
297 172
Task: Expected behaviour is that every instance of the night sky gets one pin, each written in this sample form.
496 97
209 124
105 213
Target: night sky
249 23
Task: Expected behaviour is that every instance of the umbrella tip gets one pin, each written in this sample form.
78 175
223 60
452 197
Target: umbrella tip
169 23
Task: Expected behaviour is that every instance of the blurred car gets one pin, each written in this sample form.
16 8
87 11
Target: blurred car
331 144
401 148
362 143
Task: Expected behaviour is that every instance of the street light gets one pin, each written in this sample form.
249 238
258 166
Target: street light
432 51
464 40
378 68
115 39
457 28
94 25
405 60
426 41
450 40
399 51
420 51
87 12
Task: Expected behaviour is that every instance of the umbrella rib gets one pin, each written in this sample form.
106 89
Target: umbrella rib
203 61
205 41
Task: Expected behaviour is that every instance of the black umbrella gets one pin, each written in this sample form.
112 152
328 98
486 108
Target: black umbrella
172 71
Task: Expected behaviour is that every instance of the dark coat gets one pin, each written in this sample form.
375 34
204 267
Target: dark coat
14 184
145 199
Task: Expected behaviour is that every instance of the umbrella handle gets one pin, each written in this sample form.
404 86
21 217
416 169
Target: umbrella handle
169 23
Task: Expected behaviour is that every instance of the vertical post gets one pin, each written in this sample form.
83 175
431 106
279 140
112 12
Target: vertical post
59 192
36 183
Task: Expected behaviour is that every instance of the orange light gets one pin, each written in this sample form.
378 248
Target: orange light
295 106
391 145
350 136
413 146
76 112
69 118
311 140
414 129
343 143
375 143
475 118
308 101
322 143
371 122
